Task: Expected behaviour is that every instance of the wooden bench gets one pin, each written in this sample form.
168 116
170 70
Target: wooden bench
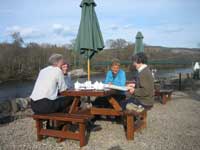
130 124
165 95
65 132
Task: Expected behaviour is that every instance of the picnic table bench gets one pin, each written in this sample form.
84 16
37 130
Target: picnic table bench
79 119
131 126
164 94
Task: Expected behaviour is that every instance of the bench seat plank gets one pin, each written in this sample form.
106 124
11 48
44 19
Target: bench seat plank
63 117
60 134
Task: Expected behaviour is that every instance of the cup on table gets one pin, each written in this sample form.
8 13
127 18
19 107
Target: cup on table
88 84
77 85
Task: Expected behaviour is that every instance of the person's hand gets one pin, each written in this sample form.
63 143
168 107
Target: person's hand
131 89
110 83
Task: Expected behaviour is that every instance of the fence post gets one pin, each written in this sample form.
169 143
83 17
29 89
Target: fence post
179 85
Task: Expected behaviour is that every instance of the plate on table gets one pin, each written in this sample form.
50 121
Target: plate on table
89 89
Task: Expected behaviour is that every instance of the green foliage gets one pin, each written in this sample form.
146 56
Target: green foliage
25 62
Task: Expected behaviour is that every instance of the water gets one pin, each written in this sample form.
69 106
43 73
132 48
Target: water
169 73
15 89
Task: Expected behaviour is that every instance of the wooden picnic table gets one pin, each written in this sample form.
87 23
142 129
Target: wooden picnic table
94 111
80 117
115 111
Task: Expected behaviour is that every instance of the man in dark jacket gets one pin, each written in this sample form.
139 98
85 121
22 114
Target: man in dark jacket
142 92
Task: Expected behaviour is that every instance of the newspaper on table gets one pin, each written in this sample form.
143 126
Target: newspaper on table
115 87
88 85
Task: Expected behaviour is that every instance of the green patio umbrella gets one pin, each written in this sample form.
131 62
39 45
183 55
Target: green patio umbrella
89 39
139 47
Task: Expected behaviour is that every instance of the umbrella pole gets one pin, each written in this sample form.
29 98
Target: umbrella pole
88 63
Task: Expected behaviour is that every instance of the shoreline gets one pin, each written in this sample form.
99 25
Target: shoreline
81 74
17 86
35 77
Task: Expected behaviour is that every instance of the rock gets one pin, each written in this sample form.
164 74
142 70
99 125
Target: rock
78 73
5 106
15 107
5 118
23 103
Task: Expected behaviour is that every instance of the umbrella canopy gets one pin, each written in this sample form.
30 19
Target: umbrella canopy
89 39
139 47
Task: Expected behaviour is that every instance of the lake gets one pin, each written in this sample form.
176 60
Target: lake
16 89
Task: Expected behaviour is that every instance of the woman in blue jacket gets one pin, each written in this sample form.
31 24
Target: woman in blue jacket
115 76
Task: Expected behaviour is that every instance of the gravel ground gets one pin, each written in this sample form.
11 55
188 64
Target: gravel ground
174 126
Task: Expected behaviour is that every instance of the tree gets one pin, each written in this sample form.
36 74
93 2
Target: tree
71 45
116 44
17 39
33 45
109 43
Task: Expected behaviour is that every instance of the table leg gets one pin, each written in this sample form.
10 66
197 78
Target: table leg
82 134
115 111
130 127
73 109
39 127
74 106
144 118
164 99
115 104
169 96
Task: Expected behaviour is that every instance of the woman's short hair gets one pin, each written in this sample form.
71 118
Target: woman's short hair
55 58
140 58
115 62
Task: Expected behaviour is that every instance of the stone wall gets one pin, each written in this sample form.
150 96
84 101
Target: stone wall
9 108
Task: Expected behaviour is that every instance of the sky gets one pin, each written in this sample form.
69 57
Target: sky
171 23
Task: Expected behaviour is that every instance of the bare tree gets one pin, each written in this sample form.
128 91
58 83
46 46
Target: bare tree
116 44
17 39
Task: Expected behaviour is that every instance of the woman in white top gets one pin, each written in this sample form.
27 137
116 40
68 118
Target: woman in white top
50 81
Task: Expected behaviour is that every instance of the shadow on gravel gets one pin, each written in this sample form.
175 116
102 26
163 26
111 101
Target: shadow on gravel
115 148
4 119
